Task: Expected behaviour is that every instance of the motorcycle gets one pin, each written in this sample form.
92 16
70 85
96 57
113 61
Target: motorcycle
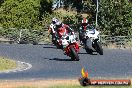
91 41
70 46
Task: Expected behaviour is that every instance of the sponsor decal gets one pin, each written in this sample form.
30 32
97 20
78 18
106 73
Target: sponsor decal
85 80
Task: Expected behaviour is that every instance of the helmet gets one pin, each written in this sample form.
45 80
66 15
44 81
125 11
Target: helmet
54 20
84 22
59 24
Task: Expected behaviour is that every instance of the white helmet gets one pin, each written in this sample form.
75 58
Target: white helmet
58 24
54 20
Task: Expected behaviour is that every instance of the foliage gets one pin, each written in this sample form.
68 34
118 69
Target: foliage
69 20
47 18
45 6
19 13
10 33
77 4
115 17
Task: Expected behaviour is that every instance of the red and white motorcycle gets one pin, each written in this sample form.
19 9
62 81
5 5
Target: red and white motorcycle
70 46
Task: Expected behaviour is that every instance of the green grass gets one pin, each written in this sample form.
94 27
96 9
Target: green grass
129 43
6 64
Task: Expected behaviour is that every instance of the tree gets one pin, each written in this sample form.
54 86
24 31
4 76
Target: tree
77 4
1 1
45 6
130 0
19 13
115 17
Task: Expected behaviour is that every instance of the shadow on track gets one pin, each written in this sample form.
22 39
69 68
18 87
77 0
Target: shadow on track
58 59
48 44
82 53
89 54
53 47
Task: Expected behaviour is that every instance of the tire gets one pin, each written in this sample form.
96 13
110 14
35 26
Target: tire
89 51
59 46
88 46
99 48
74 55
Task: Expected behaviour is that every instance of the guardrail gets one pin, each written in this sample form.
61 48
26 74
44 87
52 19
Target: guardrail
7 41
116 41
14 36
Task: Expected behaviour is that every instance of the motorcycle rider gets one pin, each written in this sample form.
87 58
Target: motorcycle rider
84 26
61 29
82 29
52 29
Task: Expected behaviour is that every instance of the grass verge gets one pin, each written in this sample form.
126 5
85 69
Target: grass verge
51 83
74 86
6 64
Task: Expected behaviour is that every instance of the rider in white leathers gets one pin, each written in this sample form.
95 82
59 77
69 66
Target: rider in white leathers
53 25
52 28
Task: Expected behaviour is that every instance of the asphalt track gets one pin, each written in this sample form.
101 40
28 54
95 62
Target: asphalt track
48 62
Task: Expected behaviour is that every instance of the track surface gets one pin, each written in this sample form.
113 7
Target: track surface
49 62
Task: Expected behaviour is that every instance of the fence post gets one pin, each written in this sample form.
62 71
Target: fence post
20 35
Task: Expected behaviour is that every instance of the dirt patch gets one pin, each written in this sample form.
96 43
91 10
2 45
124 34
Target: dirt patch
37 83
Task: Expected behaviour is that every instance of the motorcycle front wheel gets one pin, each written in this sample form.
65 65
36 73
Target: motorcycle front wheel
74 54
99 48
88 46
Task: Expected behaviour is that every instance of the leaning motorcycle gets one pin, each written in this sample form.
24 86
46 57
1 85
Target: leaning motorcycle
70 46
56 42
91 42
